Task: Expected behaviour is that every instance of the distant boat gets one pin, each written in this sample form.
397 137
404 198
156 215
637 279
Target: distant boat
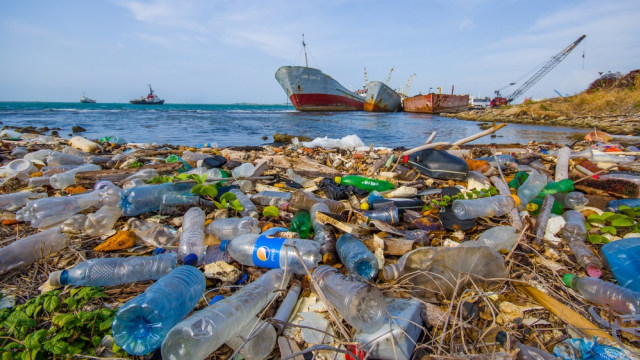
436 103
151 99
381 98
86 100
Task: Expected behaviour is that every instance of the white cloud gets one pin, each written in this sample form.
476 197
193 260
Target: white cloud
466 24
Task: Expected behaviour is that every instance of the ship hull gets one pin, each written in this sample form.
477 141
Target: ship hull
140 102
436 103
381 98
310 89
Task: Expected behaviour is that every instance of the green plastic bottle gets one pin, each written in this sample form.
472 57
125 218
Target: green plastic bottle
561 186
364 183
534 206
518 180
301 223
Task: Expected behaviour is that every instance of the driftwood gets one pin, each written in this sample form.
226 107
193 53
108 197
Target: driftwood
299 165
393 246
286 138
86 178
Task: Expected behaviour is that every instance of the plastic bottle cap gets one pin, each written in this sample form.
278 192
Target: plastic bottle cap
364 206
215 299
20 165
516 199
337 179
158 250
532 207
243 279
191 259
567 278
54 278
223 245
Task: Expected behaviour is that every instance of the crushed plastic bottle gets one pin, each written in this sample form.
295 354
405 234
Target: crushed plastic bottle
585 349
32 248
43 213
301 223
531 187
622 257
388 214
615 205
227 229
499 238
551 188
102 221
586 258
115 271
249 208
142 323
619 299
143 199
58 159
575 228
571 200
356 257
497 205
322 234
273 252
15 201
206 330
191 247
67 178
153 232
360 304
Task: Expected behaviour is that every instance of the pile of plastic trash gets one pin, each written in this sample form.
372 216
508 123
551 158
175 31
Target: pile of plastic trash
323 249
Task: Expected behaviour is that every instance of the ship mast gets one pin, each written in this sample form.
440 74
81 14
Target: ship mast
304 47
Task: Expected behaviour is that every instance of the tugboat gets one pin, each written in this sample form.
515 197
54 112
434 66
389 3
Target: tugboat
151 99
86 100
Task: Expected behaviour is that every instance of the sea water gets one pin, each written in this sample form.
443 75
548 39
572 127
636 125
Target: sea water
246 124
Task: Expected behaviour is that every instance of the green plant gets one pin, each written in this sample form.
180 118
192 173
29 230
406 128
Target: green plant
271 211
50 325
135 164
612 223
228 200
446 199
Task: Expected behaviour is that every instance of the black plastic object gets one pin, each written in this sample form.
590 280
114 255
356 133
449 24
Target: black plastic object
448 219
216 161
334 191
438 164
401 204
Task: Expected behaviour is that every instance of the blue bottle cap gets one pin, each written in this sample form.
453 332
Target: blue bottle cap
64 277
191 259
243 279
158 250
223 245
215 299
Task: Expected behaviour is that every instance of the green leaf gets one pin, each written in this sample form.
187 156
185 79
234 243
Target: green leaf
596 239
6 356
60 348
76 347
71 302
271 211
182 176
596 219
607 214
469 195
31 342
105 325
205 190
446 198
51 304
235 205
608 229
30 309
66 320
228 196
622 222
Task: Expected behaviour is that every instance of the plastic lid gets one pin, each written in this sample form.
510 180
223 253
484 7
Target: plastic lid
215 299
337 179
516 199
364 206
532 207
223 245
243 279
158 250
567 279
191 259
54 278
19 165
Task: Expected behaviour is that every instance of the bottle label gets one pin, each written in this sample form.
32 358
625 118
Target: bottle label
266 251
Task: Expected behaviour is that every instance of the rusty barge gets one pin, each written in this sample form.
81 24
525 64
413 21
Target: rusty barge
381 98
436 103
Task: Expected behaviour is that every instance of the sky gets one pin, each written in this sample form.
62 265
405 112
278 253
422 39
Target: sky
218 52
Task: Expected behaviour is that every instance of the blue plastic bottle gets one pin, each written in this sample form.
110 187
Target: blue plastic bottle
614 205
143 199
622 257
143 322
356 257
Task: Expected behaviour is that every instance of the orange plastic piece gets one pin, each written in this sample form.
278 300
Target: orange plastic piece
10 222
122 240
267 227
36 174
75 189
476 164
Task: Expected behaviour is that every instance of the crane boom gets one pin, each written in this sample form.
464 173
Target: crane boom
555 60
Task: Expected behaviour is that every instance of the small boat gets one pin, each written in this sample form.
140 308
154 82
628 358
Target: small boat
151 99
381 98
433 103
86 100
310 89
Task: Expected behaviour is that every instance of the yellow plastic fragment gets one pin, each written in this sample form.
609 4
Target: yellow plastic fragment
121 240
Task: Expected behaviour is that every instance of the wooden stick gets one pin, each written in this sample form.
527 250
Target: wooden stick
479 135
423 147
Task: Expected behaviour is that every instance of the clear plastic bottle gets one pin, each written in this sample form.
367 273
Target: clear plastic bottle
388 214
304 182
115 271
30 249
618 298
244 170
614 205
143 174
359 303
142 199
356 257
301 223
227 229
497 205
206 330
52 170
322 234
141 324
499 238
271 198
531 187
153 232
571 200
178 204
39 181
586 258
249 207
74 224
191 156
102 221
192 246
40 155
67 178
59 159
364 183
295 201
575 228
15 201
43 213
273 252
623 259
562 163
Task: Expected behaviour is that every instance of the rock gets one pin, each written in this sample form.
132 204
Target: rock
222 271
77 129
508 313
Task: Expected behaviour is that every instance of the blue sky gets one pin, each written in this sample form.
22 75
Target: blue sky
212 51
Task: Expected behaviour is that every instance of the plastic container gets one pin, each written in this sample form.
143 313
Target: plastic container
359 303
438 164
115 271
215 161
58 159
562 163
141 324
499 238
304 200
364 183
249 207
18 166
177 204
272 198
322 234
572 200
586 258
227 229
67 178
143 199
15 201
551 188
399 203
191 248
622 257
518 180
102 221
505 161
39 155
301 223
531 187
84 144
273 252
52 170
191 156
206 330
619 299
243 171
356 257
388 214
535 206
614 205
154 233
584 349
43 213
304 182
575 228
30 249
497 205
